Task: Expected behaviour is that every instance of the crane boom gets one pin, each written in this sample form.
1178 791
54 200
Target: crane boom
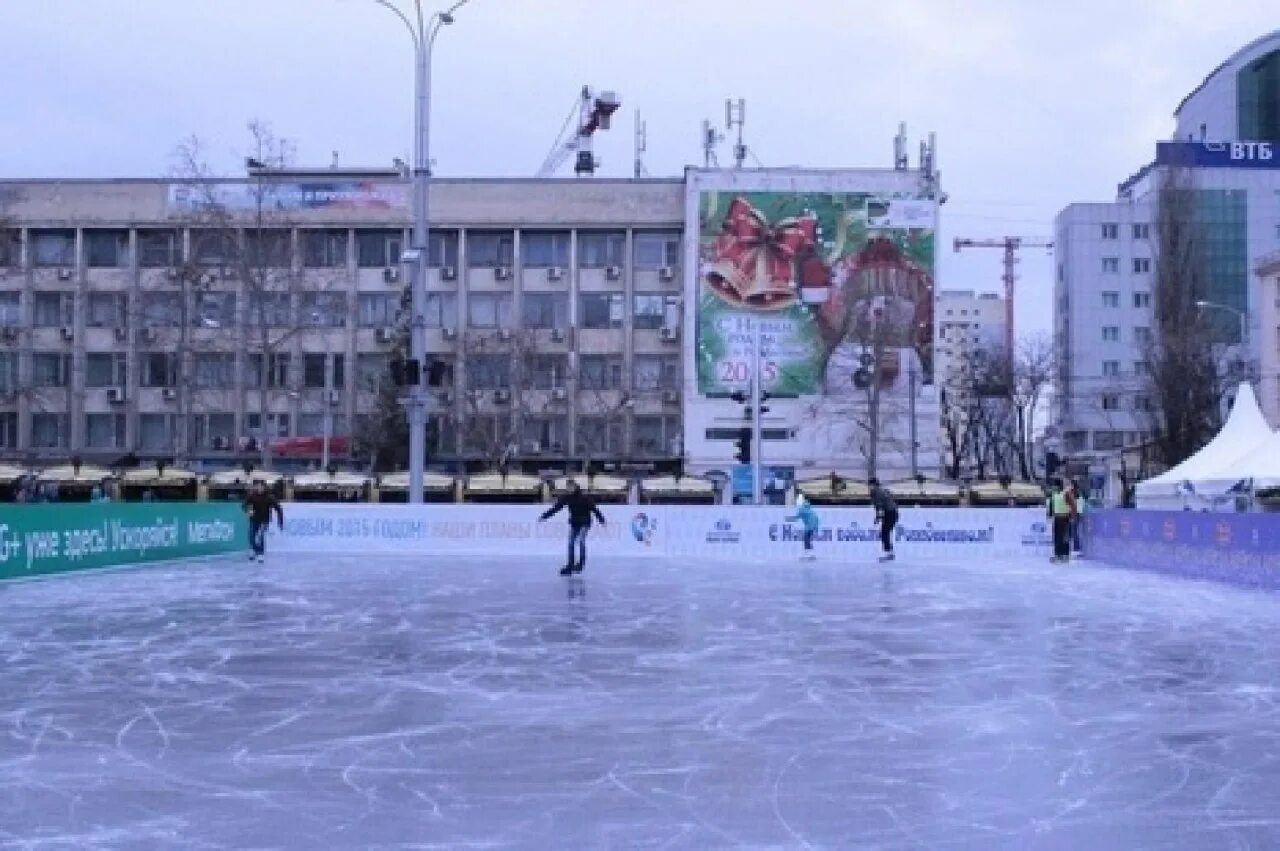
594 112
1010 244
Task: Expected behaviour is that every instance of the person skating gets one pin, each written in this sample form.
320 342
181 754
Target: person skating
581 508
886 515
807 516
259 504
1079 504
1059 510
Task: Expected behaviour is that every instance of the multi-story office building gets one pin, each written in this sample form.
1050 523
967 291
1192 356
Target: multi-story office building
969 323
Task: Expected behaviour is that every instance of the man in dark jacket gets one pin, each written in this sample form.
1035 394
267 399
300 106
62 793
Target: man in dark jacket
259 503
581 508
886 515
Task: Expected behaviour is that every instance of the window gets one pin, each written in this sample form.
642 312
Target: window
1111 299
106 369
655 436
1111 368
441 310
443 249
489 310
1110 402
541 249
1142 299
376 310
214 310
1141 265
1142 403
49 431
52 309
323 310
268 310
215 370
162 309
324 249
1107 440
104 431
277 425
486 249
312 425
1142 334
489 372
8 372
1141 368
213 248
600 436
277 370
598 249
268 248
650 311
654 250
8 430
601 310
1110 264
156 431
10 310
1110 230
314 367
546 310
50 369
371 370
545 434
600 372
107 310
53 248
442 436
656 372
106 249
213 431
378 248
10 247
481 434
547 371
158 369
1142 231
159 249
1110 334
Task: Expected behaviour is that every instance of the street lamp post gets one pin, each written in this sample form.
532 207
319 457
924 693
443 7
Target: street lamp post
1244 325
423 31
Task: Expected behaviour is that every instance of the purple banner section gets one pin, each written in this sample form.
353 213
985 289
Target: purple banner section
1241 549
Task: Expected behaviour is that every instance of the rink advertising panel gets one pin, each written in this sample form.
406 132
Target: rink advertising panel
42 539
839 278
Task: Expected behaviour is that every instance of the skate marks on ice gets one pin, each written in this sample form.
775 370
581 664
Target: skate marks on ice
354 703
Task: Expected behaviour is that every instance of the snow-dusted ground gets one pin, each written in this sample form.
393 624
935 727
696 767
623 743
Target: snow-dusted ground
365 703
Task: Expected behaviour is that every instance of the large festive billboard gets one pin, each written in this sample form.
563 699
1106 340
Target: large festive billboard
839 282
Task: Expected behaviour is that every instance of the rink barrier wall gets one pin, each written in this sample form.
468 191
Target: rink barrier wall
37 540
739 534
1240 549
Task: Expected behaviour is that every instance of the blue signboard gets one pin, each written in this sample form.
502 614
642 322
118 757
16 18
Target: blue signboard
1218 154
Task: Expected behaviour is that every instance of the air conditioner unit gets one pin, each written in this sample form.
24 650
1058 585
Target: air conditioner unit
115 395
218 443
446 397
169 394
385 335
391 275
666 273
613 273
504 334
68 333
559 394
448 273
671 397
668 334
554 273
501 273
557 335
64 274
502 396
335 397
172 274
532 447
147 335
228 274
122 334
449 333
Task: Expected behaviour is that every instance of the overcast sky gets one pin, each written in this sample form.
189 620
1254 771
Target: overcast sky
1036 104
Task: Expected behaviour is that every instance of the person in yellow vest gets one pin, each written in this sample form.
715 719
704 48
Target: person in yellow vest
1060 511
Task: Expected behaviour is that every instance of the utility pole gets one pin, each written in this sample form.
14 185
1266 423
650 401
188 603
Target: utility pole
911 406
757 394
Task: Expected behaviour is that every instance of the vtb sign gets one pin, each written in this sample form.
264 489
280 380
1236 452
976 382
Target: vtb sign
1250 150
1218 154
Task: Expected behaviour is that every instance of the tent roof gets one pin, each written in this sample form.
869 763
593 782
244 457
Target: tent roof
1228 456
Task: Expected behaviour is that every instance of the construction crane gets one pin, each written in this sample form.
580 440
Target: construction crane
593 114
1010 244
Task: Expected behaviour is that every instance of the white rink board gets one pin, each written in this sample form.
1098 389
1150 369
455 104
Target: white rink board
747 534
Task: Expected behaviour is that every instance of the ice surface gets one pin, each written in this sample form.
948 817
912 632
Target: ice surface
365 703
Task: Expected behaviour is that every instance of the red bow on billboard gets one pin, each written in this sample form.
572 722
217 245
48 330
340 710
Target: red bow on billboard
755 261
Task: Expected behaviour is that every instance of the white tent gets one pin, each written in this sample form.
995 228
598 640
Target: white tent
1233 456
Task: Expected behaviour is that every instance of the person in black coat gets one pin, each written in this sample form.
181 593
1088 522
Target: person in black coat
259 504
581 509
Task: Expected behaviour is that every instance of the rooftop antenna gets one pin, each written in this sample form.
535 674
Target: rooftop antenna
334 164
642 145
900 162
710 138
734 116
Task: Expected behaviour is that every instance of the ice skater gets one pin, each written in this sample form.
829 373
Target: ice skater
581 508
258 504
886 515
1060 508
807 516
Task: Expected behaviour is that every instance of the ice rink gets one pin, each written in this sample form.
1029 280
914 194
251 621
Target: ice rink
349 703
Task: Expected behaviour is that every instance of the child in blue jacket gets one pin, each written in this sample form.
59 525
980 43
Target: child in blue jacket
806 515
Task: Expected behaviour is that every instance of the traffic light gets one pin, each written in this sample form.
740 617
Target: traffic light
742 446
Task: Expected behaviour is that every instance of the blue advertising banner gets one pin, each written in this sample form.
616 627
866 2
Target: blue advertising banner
1218 154
1242 549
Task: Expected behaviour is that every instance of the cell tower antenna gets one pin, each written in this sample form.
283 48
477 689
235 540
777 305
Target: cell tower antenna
735 115
900 148
642 145
710 138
